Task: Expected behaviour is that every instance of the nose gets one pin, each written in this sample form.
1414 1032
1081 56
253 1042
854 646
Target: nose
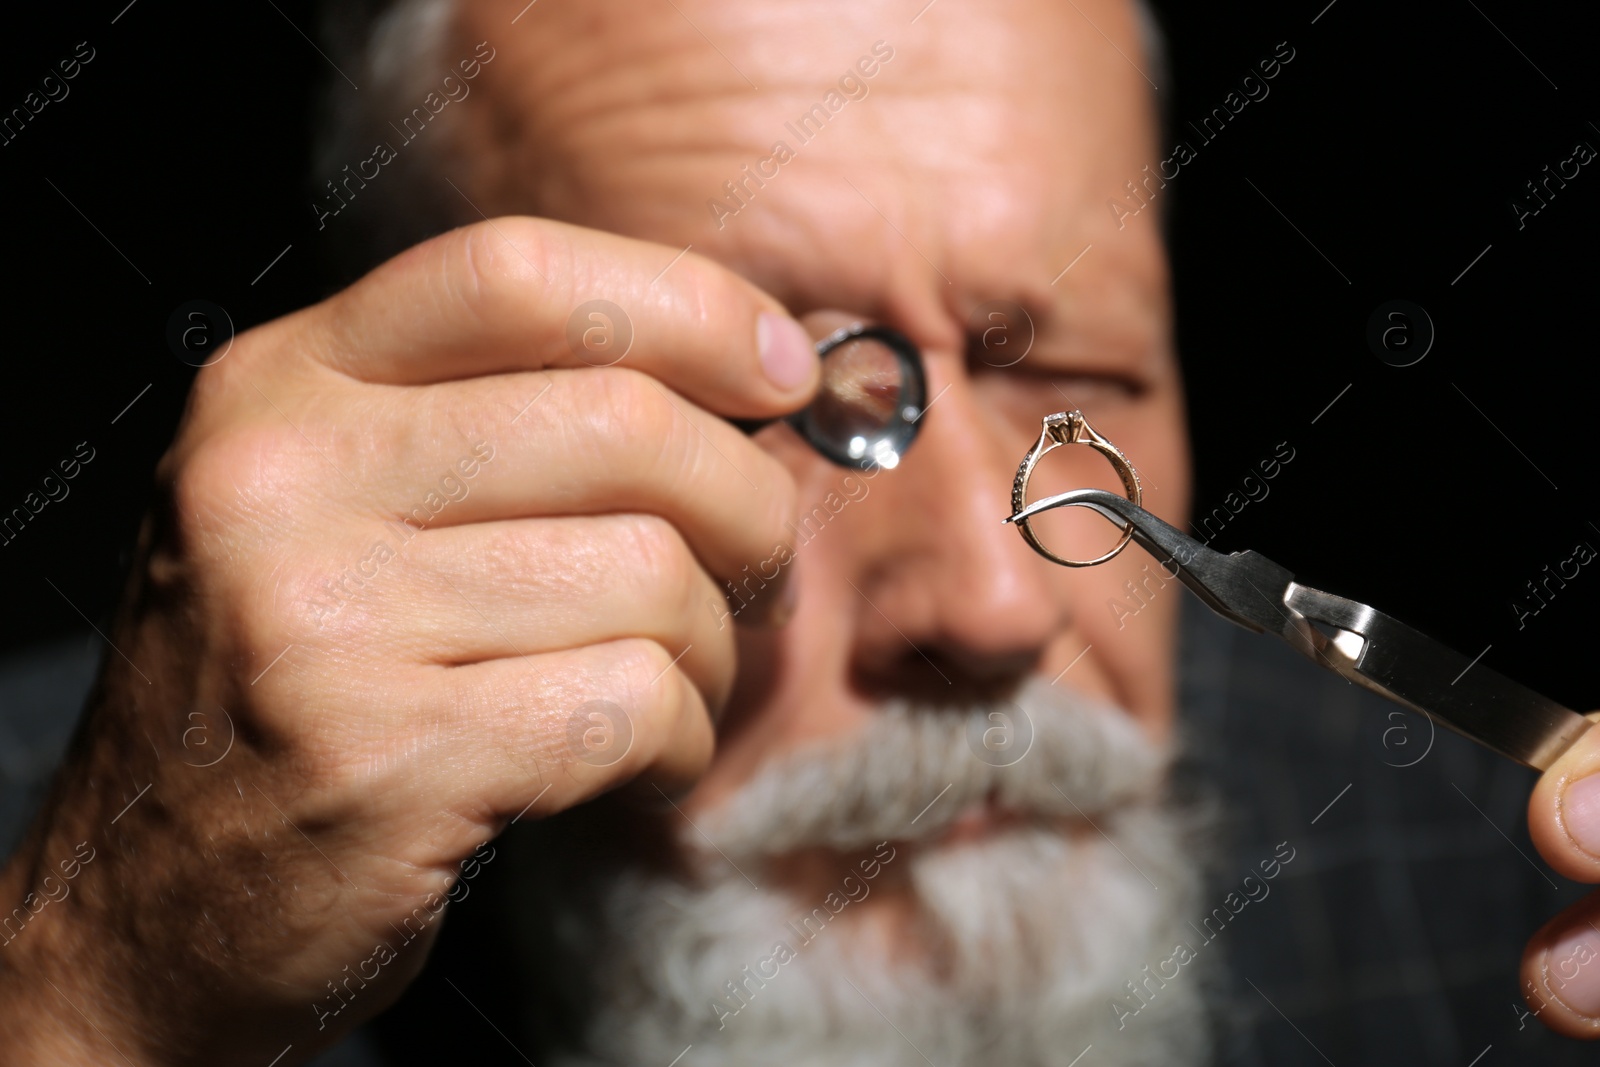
947 585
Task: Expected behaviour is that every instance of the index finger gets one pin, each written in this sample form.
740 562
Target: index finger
516 294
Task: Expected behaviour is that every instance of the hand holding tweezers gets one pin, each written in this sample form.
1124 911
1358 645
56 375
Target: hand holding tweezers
1349 638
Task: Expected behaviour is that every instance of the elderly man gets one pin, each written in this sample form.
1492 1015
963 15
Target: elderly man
432 559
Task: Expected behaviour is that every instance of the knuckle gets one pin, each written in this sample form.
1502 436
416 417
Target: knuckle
487 262
230 510
644 676
661 555
719 296
629 404
240 478
678 456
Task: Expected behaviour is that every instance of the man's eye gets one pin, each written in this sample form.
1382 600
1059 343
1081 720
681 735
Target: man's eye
1106 388
1009 345
1023 398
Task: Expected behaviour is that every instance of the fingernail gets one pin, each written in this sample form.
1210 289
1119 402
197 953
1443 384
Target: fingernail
1580 813
787 354
1572 971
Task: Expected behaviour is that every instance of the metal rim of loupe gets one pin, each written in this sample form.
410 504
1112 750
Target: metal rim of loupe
889 446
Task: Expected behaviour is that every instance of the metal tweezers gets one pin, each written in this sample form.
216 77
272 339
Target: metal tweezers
1354 640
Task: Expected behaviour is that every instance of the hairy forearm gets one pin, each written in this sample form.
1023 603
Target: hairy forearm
56 1003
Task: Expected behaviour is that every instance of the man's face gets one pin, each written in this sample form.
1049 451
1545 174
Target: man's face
971 165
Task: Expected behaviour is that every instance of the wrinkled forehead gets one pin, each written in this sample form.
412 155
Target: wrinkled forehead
827 148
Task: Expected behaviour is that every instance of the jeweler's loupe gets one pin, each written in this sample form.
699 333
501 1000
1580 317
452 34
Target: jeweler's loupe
869 406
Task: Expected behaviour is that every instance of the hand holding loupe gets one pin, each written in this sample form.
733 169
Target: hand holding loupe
869 406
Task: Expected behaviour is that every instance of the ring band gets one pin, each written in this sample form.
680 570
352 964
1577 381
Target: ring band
1071 428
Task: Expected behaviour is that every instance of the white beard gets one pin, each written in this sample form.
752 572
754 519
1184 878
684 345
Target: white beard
1030 936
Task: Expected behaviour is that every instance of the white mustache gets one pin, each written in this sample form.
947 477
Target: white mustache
915 768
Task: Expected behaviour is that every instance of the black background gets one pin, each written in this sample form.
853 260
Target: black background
183 142
1391 149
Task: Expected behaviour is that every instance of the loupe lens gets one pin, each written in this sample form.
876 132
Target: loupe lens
869 406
